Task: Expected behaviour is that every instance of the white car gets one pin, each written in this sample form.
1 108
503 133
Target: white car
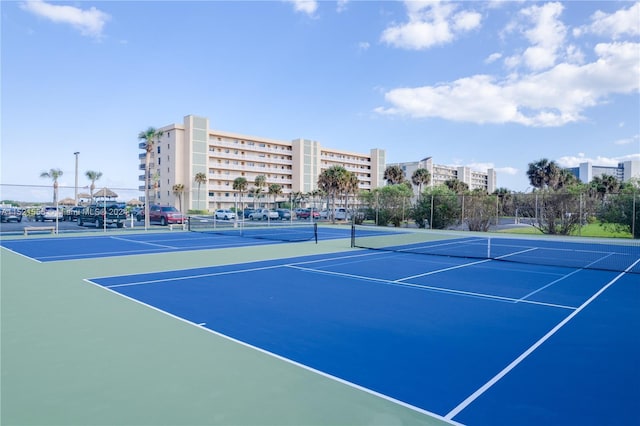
225 214
49 213
264 214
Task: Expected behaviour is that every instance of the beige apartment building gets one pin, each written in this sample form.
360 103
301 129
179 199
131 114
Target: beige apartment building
187 149
440 174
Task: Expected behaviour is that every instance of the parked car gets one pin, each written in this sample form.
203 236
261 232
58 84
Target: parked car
10 214
263 214
48 213
225 214
284 214
134 212
308 213
165 215
339 213
103 213
72 214
247 212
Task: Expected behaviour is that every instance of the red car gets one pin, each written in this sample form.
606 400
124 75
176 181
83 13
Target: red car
165 215
307 213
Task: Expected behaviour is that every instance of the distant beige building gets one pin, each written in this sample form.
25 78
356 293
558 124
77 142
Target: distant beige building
187 149
440 174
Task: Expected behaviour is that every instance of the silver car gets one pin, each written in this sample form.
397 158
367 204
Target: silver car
264 214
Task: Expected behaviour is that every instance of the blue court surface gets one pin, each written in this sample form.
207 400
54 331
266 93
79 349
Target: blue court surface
477 342
51 249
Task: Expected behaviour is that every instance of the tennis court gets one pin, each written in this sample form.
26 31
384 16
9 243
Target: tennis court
50 249
460 337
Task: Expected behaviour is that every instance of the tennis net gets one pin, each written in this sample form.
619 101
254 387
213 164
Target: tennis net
572 252
275 230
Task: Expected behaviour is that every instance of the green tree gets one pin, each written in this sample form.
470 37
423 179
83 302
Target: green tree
260 182
621 211
603 185
178 190
200 178
53 174
389 203
240 184
93 176
438 207
275 190
298 197
457 186
333 181
394 174
420 178
480 210
148 136
547 174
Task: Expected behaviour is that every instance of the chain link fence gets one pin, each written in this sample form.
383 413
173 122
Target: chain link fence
555 213
32 198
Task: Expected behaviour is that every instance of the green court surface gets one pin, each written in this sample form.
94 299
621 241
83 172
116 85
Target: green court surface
76 354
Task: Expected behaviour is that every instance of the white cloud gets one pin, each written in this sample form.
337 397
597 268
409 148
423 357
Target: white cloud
305 6
492 58
576 160
511 171
545 33
363 45
628 141
90 21
614 25
551 98
342 5
430 24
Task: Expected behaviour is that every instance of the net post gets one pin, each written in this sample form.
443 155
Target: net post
189 223
353 235
315 231
489 248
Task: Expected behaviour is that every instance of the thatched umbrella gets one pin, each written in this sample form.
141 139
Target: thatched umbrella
67 202
105 193
134 202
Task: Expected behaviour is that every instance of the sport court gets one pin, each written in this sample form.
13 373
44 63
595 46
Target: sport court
467 340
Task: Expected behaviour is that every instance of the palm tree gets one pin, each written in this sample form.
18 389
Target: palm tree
275 190
148 136
543 173
93 177
200 178
394 174
297 198
333 181
352 185
178 190
260 181
605 184
53 174
419 178
457 186
240 184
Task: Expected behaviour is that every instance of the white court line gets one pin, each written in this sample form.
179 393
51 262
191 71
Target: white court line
429 288
561 278
236 271
464 404
143 242
290 361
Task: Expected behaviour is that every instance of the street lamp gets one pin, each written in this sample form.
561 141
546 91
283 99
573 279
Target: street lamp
76 193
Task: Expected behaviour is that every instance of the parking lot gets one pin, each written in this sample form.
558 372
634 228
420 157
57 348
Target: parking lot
8 228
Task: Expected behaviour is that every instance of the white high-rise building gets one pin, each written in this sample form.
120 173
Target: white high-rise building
188 149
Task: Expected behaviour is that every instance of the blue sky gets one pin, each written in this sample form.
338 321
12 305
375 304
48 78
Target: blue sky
483 84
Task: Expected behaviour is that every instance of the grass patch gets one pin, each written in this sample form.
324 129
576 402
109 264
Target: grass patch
589 230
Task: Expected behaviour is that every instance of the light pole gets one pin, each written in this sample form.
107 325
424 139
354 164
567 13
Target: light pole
76 192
